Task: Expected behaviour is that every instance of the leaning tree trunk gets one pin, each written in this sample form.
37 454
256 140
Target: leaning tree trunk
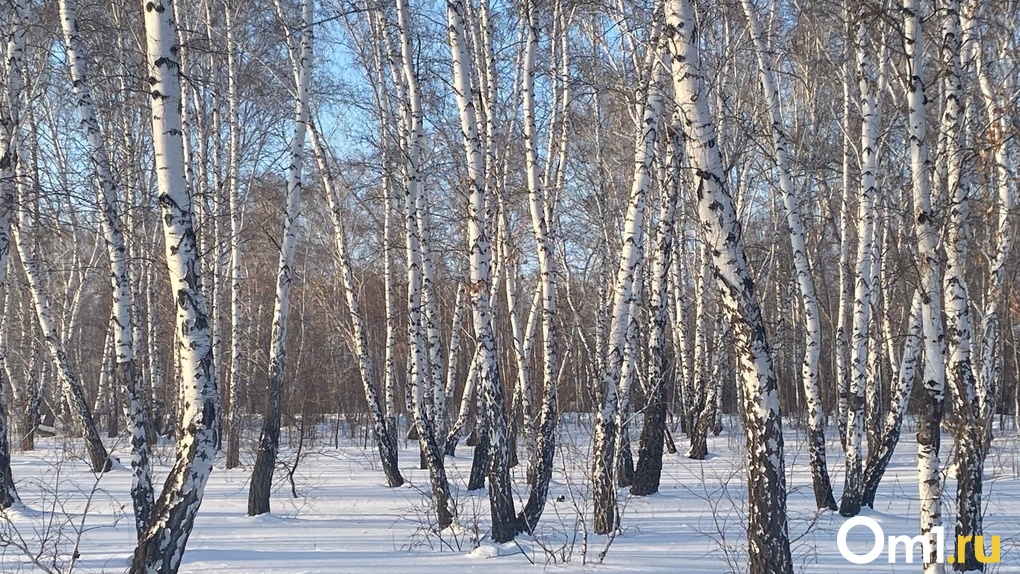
359 339
850 505
903 384
990 370
934 378
162 547
607 421
269 439
805 281
126 371
543 224
767 531
72 389
412 122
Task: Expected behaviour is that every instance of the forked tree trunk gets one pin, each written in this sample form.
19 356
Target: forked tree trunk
648 471
412 123
543 223
805 281
903 384
767 531
850 504
504 525
990 370
607 420
161 549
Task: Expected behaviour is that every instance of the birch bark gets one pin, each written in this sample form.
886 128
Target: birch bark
767 532
161 548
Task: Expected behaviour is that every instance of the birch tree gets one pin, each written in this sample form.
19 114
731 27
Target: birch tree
123 322
648 471
411 140
542 208
504 526
850 504
161 548
767 532
805 280
269 440
968 419
608 417
10 120
934 377
359 340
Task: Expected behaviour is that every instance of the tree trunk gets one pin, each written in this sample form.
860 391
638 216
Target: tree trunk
934 378
269 439
902 386
850 505
125 373
412 139
607 422
359 339
234 381
649 466
767 532
161 548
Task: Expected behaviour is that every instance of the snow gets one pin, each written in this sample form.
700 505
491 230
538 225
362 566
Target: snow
346 520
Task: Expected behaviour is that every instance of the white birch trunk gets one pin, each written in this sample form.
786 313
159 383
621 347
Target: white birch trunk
850 505
162 547
504 526
934 377
10 125
126 372
768 538
413 134
234 381
359 338
269 439
607 423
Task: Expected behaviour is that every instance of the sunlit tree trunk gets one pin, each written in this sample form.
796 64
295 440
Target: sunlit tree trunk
805 280
850 505
998 121
413 127
934 377
767 531
504 526
161 548
902 385
125 371
10 126
269 439
648 470
612 386
359 339
234 380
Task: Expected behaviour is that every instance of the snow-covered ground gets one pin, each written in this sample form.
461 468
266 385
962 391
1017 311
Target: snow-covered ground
344 518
